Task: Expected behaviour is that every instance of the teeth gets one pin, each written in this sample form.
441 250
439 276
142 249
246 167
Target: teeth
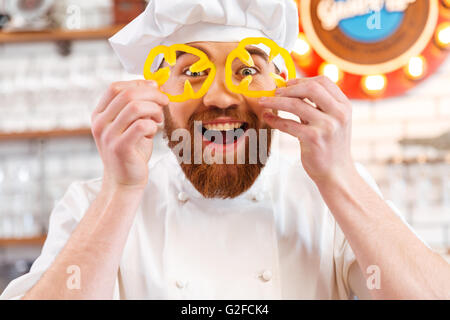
223 126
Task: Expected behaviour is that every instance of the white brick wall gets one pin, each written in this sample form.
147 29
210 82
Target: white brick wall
377 127
423 112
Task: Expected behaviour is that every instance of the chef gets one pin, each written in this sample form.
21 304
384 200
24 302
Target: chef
318 228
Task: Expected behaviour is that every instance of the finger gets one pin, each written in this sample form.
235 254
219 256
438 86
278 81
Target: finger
133 94
295 106
115 88
332 88
313 91
136 110
123 98
141 128
288 126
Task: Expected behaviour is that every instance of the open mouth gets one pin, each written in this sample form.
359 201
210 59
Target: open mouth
224 132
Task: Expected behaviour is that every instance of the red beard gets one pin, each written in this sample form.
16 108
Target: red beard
222 180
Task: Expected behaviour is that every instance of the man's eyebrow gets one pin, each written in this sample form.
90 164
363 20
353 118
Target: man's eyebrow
180 53
257 51
252 50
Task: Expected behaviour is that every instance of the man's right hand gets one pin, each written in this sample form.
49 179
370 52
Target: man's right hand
123 125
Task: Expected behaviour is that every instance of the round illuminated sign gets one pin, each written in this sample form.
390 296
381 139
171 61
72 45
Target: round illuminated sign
363 38
357 41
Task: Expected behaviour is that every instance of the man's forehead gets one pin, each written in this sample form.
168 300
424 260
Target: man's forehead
212 48
213 43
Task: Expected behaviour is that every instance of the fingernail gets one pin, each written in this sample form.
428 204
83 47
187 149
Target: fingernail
289 82
152 83
262 99
279 91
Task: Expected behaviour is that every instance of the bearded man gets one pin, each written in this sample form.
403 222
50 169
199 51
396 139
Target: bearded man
265 227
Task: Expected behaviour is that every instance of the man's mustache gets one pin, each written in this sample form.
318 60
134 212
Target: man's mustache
208 115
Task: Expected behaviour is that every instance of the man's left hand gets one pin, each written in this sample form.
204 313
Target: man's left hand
324 130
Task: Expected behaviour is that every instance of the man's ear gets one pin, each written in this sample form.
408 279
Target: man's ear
161 64
282 74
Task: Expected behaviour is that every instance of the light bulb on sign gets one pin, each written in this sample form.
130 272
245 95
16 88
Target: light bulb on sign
302 46
331 71
374 84
443 35
415 69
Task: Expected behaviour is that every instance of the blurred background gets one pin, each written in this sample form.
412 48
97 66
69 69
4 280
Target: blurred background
55 63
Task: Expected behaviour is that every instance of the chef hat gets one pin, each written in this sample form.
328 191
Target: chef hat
182 21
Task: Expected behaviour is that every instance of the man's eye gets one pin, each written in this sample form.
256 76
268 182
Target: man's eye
248 71
194 74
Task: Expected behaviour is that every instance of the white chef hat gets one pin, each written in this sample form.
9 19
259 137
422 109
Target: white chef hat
182 21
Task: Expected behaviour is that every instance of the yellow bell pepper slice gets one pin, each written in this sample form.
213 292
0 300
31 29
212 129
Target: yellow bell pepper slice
242 54
162 75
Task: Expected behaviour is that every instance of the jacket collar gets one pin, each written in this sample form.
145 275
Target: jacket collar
257 192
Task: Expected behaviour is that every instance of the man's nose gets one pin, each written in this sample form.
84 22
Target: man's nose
219 96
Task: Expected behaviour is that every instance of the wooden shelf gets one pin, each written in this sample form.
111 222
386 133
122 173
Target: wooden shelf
34 241
59 35
45 134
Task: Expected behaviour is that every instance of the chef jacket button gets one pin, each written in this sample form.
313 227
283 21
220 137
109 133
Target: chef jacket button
257 196
267 275
180 284
183 196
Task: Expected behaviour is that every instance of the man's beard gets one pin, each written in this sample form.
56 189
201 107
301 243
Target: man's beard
223 180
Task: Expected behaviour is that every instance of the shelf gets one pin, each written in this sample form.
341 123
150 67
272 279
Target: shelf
59 35
45 134
34 241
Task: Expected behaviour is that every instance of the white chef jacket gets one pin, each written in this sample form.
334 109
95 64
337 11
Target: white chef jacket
278 240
